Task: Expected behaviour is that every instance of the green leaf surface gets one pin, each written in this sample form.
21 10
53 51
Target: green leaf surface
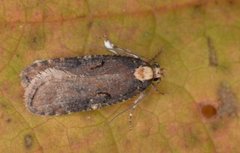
200 51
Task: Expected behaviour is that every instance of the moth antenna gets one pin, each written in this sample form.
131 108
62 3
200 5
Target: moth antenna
151 60
117 50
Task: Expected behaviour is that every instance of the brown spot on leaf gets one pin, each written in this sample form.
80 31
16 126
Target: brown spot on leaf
8 120
228 101
198 6
208 111
231 2
28 141
89 25
213 61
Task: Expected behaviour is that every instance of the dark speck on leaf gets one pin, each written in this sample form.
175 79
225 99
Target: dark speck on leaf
28 141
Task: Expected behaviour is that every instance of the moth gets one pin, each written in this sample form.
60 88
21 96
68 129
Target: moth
64 85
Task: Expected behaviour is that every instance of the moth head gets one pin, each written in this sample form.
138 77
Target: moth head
157 72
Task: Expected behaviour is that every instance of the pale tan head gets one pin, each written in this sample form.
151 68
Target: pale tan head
144 73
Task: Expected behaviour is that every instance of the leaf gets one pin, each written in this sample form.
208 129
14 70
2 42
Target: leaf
199 43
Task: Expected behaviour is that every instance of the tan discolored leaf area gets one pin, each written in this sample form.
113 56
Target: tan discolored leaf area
200 51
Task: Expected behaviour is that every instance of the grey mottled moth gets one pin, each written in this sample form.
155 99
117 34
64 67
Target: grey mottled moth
64 85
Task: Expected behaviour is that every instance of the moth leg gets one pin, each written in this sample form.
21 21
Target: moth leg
116 50
135 103
157 90
132 107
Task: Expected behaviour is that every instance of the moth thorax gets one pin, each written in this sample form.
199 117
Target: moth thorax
143 73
